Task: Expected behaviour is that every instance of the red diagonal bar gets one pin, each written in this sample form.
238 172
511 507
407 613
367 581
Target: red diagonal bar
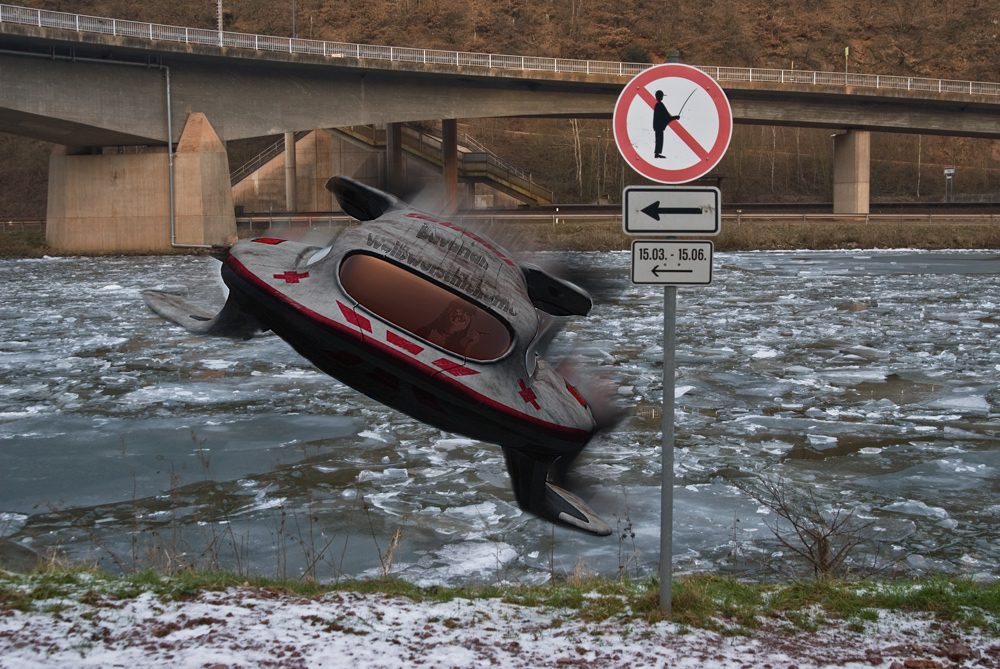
353 318
676 126
453 368
402 343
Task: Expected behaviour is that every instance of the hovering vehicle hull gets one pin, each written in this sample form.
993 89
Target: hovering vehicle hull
425 317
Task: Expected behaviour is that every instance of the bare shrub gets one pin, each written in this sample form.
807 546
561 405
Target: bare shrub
825 537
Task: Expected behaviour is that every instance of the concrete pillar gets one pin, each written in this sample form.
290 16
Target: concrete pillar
120 203
449 164
851 172
203 197
291 184
314 166
395 175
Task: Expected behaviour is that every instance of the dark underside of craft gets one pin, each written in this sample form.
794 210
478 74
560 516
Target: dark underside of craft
428 379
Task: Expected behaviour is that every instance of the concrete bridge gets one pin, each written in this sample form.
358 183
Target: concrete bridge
86 83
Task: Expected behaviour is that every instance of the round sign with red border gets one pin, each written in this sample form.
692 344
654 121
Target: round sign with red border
673 123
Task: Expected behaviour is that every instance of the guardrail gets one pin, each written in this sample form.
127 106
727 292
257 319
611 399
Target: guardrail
22 224
152 31
871 219
259 222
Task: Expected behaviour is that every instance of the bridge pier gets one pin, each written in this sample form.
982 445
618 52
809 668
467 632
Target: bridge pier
121 203
291 183
851 172
395 174
449 164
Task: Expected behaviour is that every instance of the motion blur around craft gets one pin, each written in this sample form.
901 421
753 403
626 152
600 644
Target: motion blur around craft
428 318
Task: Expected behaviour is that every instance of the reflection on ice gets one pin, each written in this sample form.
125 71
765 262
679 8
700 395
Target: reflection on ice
868 379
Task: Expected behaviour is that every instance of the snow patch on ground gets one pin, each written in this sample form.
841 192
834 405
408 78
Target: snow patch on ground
253 627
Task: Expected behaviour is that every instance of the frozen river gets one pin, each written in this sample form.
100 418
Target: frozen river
867 381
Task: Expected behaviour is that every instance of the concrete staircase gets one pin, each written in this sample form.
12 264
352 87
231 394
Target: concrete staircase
476 163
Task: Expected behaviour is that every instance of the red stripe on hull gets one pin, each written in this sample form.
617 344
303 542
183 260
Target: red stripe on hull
352 337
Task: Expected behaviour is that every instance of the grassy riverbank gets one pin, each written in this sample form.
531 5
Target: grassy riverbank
711 602
757 234
768 235
74 618
23 245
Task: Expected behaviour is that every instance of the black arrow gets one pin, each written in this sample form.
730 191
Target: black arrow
654 210
657 271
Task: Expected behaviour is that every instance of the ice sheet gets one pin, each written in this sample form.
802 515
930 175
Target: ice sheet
866 379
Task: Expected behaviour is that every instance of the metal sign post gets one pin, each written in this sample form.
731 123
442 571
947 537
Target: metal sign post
672 124
666 567
669 262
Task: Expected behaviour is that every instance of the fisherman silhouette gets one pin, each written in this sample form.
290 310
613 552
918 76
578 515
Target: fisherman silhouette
661 119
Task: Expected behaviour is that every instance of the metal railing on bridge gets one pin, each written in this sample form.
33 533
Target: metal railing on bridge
153 31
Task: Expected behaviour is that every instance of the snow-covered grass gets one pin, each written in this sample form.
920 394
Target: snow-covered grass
82 618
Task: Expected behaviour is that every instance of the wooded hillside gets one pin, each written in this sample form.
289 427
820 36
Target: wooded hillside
954 39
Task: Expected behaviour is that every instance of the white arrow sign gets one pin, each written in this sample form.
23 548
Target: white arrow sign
671 210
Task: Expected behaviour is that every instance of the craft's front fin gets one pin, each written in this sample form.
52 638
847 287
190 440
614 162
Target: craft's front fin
528 474
554 295
232 321
360 201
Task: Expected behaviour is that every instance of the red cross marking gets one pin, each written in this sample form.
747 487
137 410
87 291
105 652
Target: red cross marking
291 276
527 394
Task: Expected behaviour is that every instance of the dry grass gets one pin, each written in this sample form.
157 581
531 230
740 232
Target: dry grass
29 244
766 235
818 234
757 234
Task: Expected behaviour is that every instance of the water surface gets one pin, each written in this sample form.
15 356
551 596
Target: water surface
866 381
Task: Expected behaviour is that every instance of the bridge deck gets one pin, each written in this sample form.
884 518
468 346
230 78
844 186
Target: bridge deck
107 81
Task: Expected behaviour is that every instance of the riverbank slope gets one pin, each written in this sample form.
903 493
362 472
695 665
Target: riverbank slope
758 234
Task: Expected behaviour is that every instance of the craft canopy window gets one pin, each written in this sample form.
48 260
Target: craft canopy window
424 308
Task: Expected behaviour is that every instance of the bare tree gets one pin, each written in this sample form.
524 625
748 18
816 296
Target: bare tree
577 155
824 538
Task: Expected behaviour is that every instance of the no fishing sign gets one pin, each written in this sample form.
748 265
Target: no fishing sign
673 123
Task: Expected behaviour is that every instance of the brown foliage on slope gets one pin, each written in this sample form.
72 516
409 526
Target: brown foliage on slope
957 39
938 38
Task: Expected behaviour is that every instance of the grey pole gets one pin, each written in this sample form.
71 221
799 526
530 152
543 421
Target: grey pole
291 179
667 456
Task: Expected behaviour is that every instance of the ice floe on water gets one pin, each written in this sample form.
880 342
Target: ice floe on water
866 381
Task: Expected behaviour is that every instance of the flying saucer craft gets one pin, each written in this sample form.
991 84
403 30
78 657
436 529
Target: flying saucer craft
428 318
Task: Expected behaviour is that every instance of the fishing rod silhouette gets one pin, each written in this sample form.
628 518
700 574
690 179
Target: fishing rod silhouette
662 118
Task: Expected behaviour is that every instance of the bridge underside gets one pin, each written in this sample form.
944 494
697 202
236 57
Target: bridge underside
94 90
142 201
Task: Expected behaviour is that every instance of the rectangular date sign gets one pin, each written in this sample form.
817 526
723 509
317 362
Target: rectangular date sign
670 262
